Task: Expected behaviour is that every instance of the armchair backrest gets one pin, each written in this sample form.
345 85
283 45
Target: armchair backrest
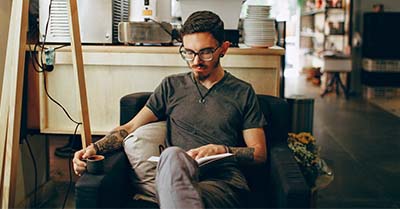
131 104
276 112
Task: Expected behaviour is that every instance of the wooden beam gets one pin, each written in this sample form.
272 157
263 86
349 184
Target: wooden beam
4 102
11 107
77 60
3 135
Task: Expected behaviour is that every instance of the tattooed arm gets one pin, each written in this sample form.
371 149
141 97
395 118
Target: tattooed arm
112 141
115 138
256 150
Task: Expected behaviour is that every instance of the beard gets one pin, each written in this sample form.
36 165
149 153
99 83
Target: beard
201 76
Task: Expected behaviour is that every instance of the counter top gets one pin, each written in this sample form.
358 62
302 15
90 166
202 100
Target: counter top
242 50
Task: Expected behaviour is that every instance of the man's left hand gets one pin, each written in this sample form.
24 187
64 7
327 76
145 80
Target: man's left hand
206 150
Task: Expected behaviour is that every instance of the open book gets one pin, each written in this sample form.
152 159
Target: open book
202 161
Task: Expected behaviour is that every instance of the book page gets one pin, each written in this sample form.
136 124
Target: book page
201 161
153 159
211 158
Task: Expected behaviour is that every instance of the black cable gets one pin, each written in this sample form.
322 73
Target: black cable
58 47
69 167
173 33
33 57
45 87
45 32
73 138
35 171
162 26
55 101
42 66
62 46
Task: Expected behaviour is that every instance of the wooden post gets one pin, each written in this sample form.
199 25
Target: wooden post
11 103
77 61
11 98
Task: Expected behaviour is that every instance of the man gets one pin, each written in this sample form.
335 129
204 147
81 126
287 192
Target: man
208 112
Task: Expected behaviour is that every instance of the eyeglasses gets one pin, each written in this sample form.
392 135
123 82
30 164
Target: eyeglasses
204 54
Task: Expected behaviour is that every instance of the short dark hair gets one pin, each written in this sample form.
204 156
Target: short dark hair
204 21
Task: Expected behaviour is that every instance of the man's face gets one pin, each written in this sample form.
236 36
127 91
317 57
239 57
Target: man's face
197 42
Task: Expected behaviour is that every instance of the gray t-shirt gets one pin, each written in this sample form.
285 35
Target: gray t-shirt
228 108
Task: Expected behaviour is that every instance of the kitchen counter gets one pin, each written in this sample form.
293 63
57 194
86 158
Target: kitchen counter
114 71
244 50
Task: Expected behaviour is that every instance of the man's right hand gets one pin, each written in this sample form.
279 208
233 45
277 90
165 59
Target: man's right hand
79 165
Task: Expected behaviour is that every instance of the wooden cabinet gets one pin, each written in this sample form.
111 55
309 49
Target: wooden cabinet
114 71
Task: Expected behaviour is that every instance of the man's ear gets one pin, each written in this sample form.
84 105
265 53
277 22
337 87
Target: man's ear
225 46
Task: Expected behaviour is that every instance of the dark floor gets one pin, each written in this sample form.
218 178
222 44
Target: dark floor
362 143
359 141
60 174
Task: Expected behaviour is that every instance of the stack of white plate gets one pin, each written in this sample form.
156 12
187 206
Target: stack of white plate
259 29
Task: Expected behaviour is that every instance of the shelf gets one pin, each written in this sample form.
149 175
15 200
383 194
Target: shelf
307 34
335 8
335 34
327 29
321 11
313 12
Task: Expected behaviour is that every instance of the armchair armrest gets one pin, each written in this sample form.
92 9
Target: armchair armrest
289 185
108 190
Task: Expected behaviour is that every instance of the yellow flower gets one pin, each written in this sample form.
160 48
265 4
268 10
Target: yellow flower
303 137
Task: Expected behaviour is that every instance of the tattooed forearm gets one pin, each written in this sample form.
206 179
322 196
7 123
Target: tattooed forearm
243 154
112 141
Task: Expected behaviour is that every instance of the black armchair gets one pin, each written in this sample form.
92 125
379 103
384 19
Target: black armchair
278 184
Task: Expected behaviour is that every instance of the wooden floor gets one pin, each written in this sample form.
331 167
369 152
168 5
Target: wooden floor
59 166
391 105
60 174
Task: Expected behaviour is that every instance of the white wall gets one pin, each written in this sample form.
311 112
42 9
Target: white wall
5 11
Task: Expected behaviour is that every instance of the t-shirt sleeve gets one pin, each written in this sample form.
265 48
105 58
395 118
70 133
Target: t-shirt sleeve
157 102
253 116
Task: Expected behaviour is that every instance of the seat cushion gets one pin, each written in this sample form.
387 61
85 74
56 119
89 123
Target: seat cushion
144 142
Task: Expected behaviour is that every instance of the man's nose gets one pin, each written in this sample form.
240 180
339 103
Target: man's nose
196 59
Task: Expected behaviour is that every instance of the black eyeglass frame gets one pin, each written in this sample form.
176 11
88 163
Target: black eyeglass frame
181 50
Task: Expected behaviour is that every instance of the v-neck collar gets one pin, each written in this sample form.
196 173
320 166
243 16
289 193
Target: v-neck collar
200 88
216 84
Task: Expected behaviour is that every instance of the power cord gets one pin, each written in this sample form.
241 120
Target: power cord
42 69
33 57
35 172
35 61
56 102
174 33
69 167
